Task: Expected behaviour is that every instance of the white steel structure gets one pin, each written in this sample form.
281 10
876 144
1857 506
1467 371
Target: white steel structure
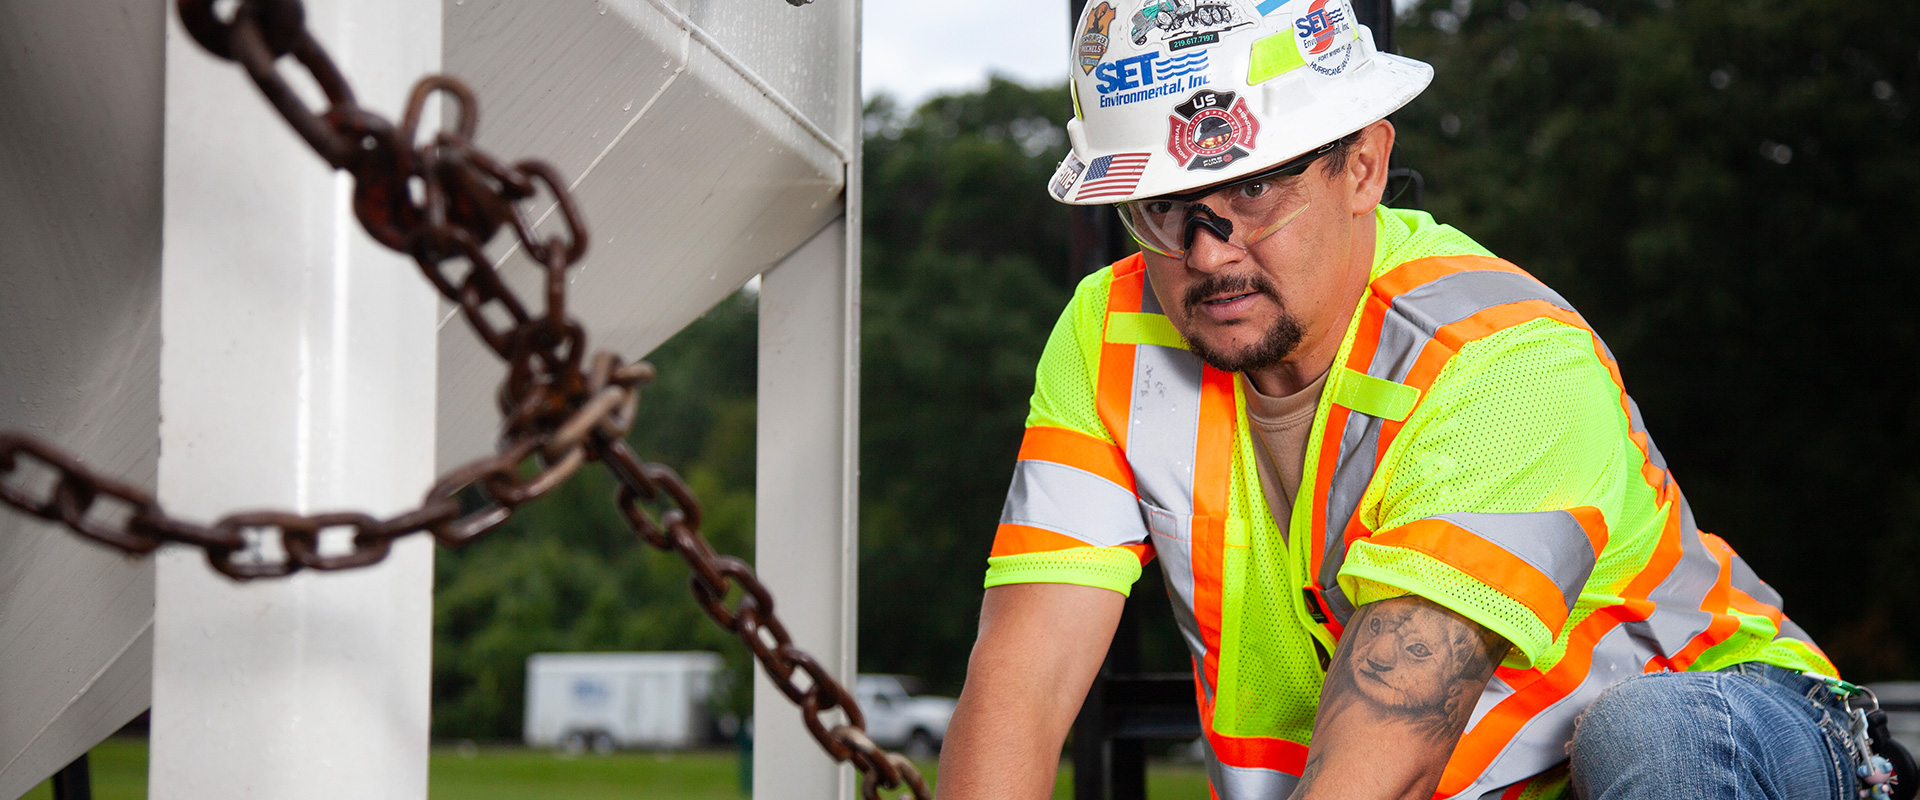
303 367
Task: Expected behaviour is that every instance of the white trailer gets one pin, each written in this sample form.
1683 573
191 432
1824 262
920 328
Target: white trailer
604 701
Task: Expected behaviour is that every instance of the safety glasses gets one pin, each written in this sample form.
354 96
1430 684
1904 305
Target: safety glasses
1259 205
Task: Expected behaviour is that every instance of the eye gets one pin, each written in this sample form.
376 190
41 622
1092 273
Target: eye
1373 625
1251 189
1419 650
1159 207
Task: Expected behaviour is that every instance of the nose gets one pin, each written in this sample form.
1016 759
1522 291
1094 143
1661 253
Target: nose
1210 252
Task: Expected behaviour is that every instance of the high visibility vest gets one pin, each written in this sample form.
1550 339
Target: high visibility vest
1474 446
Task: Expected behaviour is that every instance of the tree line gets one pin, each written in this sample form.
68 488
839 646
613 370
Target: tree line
1724 188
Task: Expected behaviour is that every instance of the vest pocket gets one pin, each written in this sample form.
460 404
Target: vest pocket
1167 525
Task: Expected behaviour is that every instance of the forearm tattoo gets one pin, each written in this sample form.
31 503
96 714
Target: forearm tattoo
1412 660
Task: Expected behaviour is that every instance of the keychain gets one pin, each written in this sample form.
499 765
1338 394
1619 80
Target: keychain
1881 767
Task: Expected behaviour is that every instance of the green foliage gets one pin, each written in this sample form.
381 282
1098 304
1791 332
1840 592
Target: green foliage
963 277
1721 186
567 574
1724 188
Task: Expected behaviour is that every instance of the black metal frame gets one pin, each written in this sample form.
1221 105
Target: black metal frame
74 781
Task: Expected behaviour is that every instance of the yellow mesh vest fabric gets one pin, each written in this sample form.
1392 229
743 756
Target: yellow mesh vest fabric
1064 382
1063 398
1527 419
1270 673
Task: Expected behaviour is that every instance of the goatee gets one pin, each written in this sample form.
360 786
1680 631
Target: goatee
1278 342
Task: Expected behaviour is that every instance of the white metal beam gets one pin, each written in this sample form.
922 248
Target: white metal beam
806 496
297 372
79 355
697 162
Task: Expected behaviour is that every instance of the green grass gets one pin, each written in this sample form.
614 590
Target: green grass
119 768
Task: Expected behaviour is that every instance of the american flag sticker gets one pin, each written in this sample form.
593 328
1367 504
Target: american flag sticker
1112 176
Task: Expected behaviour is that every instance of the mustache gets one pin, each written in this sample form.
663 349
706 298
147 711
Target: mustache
1215 285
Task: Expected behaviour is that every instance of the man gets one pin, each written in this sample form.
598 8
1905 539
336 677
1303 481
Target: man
1413 528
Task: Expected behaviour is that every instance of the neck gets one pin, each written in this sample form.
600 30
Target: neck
1321 345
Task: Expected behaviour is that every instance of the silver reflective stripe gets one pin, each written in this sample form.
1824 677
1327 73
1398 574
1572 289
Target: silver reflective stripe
1792 630
1359 445
1164 425
1412 319
1677 616
1248 783
1550 541
1337 603
1173 545
1622 653
1162 437
1745 580
1149 302
1542 741
1072 502
1451 298
1496 691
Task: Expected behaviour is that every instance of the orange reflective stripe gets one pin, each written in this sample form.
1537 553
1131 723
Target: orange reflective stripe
1212 485
1718 599
1534 691
1078 450
1448 340
1014 540
1018 540
1419 272
1595 525
1373 315
1746 604
1259 752
1484 561
1113 398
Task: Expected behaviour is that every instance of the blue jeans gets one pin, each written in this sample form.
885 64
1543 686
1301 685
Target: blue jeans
1748 731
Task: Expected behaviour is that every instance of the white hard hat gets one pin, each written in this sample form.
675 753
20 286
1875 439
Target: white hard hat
1173 95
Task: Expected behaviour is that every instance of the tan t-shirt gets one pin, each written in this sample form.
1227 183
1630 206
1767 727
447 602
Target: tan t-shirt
1280 427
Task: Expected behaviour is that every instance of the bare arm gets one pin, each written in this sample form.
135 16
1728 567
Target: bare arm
1403 682
1040 645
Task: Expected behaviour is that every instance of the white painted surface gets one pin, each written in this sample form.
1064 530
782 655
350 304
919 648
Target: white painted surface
297 372
653 700
707 140
693 170
806 484
79 354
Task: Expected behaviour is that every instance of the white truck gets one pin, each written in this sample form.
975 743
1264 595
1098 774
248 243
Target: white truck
897 720
606 701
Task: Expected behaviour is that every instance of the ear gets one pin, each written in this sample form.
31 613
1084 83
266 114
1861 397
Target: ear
1367 167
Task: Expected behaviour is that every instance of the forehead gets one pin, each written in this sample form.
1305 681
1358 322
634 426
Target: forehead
1292 180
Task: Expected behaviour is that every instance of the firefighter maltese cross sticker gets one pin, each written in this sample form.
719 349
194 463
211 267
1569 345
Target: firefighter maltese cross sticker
1210 130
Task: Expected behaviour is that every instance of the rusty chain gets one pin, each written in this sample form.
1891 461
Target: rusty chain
440 202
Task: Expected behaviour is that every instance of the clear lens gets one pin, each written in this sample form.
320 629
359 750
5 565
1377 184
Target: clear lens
1261 207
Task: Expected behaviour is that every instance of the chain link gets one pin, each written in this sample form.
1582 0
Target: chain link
562 408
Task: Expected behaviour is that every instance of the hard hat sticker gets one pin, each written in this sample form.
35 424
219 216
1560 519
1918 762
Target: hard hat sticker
1064 177
1186 23
1325 35
1146 76
1112 176
1093 40
1211 130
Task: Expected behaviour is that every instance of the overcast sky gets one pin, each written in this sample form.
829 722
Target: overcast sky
916 48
